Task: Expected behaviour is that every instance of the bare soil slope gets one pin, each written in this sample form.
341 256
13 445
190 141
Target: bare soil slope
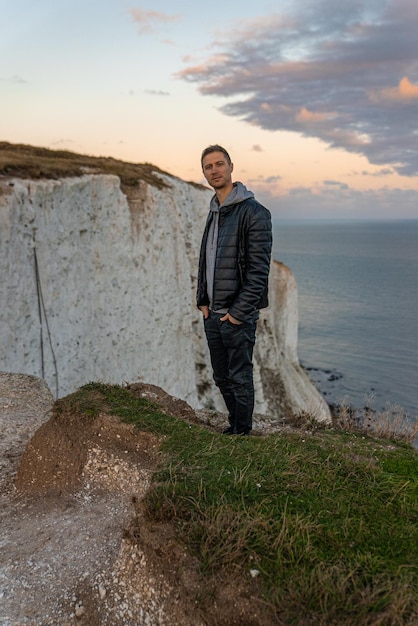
75 547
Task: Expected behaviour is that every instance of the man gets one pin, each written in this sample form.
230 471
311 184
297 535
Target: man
232 284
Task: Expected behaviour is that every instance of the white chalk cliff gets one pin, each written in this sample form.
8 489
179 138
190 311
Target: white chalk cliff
97 285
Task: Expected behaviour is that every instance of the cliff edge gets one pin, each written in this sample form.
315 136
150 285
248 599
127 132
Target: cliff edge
98 283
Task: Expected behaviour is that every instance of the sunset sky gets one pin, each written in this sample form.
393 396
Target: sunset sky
316 100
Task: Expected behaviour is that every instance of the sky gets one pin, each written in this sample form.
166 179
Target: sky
315 100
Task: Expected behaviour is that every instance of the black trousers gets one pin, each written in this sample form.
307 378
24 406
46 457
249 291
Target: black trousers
231 352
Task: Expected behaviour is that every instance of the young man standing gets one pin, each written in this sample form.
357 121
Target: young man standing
232 284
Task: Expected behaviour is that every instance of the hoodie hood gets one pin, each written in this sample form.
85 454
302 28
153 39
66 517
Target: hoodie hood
238 194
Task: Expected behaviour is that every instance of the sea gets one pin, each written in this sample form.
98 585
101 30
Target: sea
358 308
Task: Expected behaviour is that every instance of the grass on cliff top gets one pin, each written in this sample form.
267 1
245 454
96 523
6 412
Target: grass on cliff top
29 162
327 522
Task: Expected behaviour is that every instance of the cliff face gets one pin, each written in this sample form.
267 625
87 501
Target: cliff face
99 285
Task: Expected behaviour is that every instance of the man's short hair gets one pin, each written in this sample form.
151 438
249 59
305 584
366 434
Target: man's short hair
215 148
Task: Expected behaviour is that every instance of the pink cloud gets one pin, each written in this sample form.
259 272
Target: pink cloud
147 19
404 91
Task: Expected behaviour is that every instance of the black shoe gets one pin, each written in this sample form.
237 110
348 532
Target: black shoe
230 431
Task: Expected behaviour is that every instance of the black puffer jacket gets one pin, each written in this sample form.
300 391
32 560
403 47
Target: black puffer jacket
242 260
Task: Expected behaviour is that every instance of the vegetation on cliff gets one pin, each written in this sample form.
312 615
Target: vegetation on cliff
320 524
30 162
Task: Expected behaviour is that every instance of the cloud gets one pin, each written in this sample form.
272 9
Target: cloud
335 183
14 80
262 181
347 75
305 116
146 20
272 179
61 142
404 91
334 202
257 148
385 171
154 92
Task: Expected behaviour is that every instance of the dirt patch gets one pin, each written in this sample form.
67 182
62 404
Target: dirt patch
64 449
76 546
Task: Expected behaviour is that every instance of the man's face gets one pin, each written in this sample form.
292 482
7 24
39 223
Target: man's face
217 170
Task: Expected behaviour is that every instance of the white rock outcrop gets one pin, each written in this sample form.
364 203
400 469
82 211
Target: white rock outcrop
98 285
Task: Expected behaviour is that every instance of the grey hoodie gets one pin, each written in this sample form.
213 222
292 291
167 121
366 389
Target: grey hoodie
238 194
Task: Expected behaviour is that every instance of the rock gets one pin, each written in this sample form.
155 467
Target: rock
79 610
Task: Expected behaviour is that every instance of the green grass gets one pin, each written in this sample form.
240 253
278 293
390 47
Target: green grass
329 520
